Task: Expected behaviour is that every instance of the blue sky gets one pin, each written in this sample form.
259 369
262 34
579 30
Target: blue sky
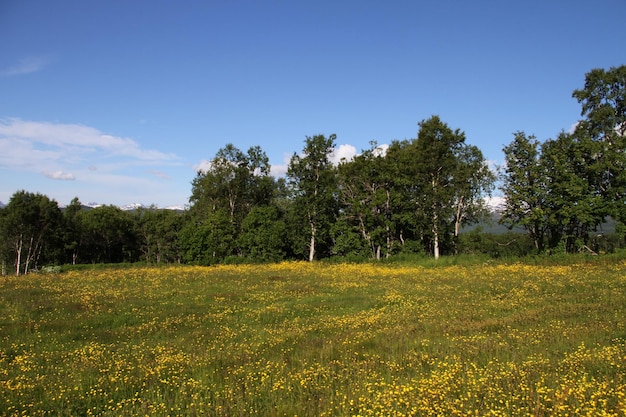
121 101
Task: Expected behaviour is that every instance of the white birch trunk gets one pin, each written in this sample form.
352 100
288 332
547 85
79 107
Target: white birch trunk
18 262
435 235
312 245
459 216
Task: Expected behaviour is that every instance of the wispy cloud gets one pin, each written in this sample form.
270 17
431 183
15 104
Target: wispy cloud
60 175
24 66
62 151
73 140
68 160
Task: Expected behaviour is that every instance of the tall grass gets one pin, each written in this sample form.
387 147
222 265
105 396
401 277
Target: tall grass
316 339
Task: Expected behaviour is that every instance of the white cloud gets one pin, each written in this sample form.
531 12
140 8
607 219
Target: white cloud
24 143
202 166
27 65
343 152
75 139
280 170
572 128
60 175
381 150
22 153
496 203
95 163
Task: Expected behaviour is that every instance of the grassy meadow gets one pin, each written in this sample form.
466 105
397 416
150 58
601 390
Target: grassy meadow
316 340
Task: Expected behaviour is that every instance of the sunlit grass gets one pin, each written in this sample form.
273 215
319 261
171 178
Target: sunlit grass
313 339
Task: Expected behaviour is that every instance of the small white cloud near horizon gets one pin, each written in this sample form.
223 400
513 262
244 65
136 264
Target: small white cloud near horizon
60 175
202 166
280 170
381 150
573 127
25 66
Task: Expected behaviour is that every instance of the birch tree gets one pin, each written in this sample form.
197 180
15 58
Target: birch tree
603 102
30 220
234 181
312 179
367 194
437 167
524 188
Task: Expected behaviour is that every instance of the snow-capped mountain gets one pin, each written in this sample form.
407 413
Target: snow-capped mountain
133 206
495 203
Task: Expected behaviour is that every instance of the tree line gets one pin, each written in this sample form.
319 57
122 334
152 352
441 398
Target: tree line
414 196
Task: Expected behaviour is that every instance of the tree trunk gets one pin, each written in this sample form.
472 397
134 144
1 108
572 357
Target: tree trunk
435 228
457 224
366 235
312 244
435 235
18 251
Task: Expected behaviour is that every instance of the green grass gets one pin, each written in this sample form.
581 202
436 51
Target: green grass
321 339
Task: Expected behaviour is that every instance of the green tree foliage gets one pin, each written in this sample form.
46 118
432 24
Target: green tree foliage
209 241
473 181
414 197
572 206
5 249
72 229
109 234
31 226
234 182
603 101
566 188
263 235
313 182
158 232
445 179
524 187
368 197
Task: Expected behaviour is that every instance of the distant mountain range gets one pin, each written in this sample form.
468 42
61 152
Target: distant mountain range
492 225
495 204
127 207
133 206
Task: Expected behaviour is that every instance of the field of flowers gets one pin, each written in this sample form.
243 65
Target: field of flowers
316 340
